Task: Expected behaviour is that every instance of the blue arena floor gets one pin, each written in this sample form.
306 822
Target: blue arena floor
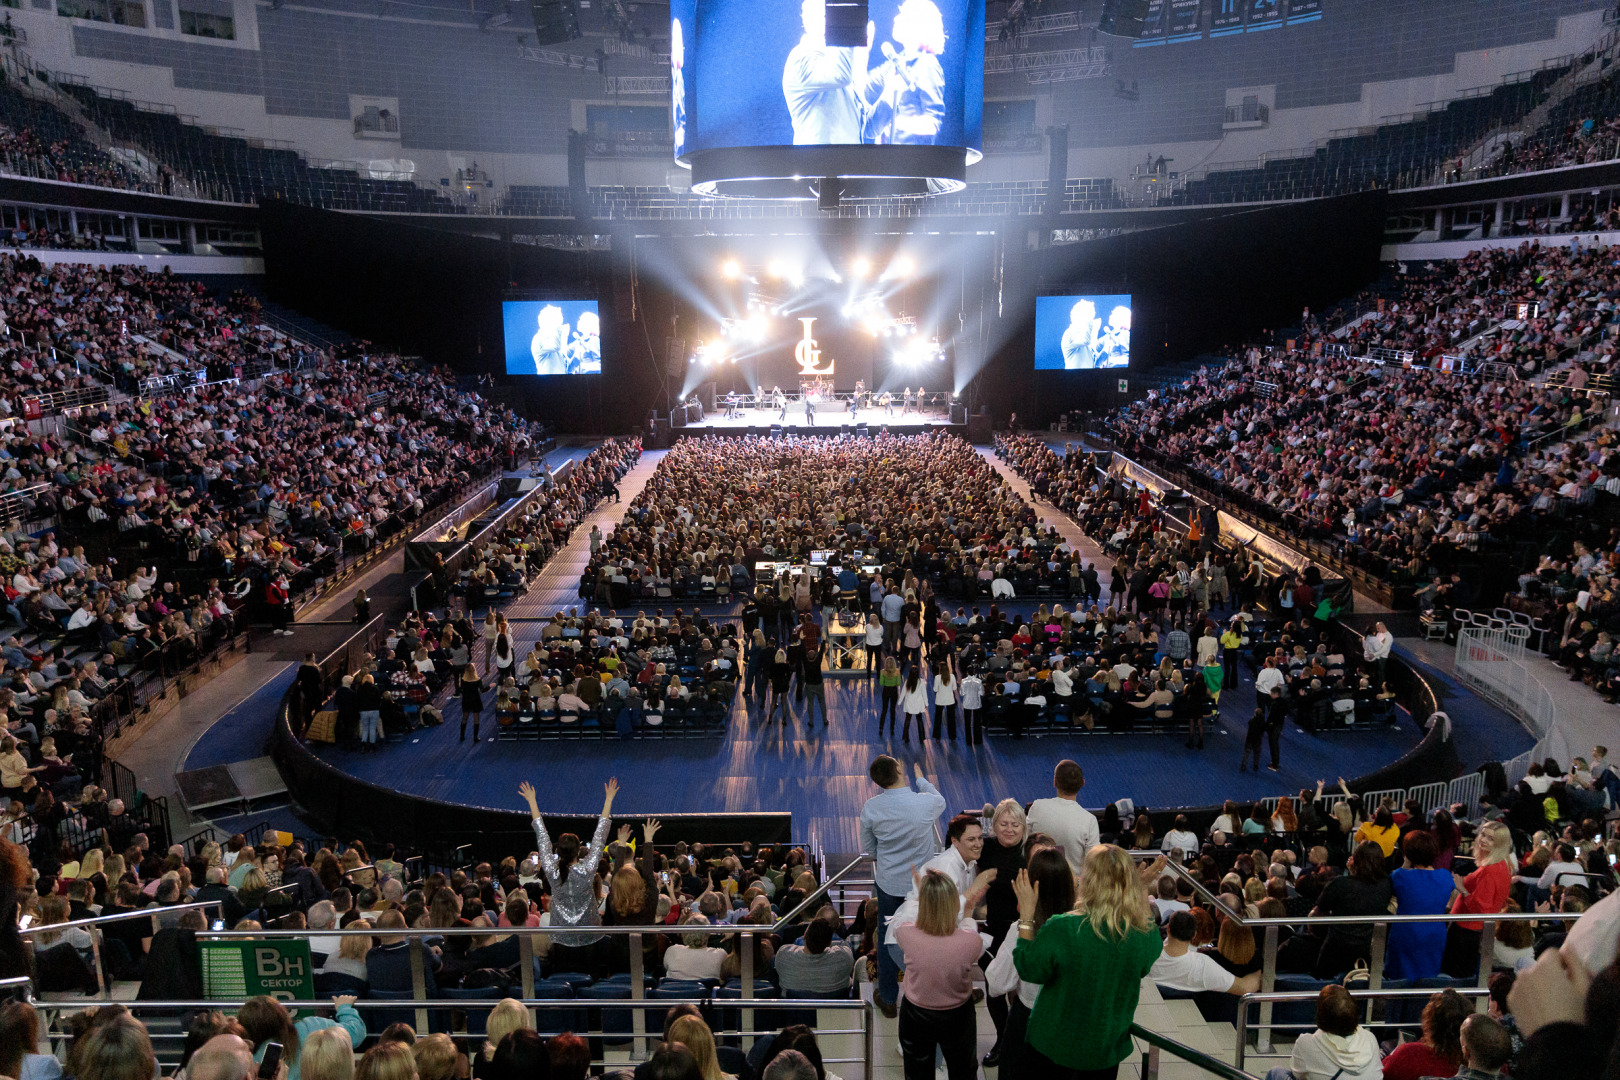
819 773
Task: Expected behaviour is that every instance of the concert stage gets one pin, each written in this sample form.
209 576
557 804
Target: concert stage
829 418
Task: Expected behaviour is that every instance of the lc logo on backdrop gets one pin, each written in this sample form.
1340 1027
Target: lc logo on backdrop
807 355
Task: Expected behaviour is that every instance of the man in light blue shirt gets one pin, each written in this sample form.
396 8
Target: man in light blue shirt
893 606
897 830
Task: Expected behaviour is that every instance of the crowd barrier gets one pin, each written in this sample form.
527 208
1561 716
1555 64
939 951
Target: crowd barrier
1380 924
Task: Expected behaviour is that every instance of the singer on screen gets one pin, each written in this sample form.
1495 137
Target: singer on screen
585 350
1115 339
905 95
1080 339
819 82
549 346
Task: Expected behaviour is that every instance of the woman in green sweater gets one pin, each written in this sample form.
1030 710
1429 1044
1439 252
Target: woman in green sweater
1090 965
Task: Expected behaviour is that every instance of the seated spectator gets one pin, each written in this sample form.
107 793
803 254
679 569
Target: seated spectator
1339 1047
821 966
1180 967
693 957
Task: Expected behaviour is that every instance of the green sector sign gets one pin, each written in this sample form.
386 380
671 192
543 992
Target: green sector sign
238 970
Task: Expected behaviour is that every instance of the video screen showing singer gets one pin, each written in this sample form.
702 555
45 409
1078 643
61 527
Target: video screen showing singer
834 98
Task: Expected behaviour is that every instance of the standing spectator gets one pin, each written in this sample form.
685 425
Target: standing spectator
815 690
570 871
914 703
1363 890
1482 892
945 688
941 949
897 830
1090 965
472 699
368 696
889 684
972 699
1253 738
1415 949
277 600
1052 881
1376 648
1063 818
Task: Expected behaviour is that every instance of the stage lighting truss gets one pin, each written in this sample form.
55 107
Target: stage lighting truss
751 330
870 313
713 353
918 350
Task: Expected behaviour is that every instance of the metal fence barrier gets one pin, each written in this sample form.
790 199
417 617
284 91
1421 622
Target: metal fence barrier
1266 999
527 965
1380 937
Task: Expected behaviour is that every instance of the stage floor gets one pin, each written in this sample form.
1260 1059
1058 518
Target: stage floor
831 418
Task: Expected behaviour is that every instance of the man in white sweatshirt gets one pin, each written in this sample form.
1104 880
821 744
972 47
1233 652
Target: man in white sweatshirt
1339 1049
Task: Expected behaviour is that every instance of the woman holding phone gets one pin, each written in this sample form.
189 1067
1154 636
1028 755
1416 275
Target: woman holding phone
267 1025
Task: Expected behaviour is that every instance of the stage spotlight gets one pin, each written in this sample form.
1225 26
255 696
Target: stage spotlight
901 268
731 269
861 267
776 270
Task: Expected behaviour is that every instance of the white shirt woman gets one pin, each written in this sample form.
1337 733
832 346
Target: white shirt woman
944 689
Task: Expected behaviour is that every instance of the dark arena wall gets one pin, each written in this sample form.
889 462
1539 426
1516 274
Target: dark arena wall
1196 286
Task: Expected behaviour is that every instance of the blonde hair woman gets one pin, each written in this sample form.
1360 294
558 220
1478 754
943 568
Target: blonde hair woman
941 952
351 954
889 684
692 1033
327 1054
387 1061
781 679
1090 964
1485 892
506 1017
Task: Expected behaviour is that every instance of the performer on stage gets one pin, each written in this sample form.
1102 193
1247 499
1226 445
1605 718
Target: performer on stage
810 409
886 402
779 400
907 402
731 405
855 398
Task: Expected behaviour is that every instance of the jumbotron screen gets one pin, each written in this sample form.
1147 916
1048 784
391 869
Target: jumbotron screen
552 337
1082 333
757 73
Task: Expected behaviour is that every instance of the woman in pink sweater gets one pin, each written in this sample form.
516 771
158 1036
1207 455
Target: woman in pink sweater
942 951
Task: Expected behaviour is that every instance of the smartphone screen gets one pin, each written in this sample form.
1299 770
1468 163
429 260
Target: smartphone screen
25 922
219 924
271 1062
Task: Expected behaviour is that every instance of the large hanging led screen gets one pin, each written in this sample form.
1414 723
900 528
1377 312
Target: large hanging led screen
766 104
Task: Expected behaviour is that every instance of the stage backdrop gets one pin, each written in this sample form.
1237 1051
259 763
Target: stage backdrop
1194 288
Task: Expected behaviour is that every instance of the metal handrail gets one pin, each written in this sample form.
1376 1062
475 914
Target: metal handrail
1265 999
1337 920
103 920
1196 1058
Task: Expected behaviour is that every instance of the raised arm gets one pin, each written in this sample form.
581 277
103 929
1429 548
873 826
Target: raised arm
542 841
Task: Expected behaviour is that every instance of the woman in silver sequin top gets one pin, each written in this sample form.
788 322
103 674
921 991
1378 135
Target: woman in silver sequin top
570 870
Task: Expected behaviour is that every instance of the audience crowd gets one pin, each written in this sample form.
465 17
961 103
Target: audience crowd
1038 895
